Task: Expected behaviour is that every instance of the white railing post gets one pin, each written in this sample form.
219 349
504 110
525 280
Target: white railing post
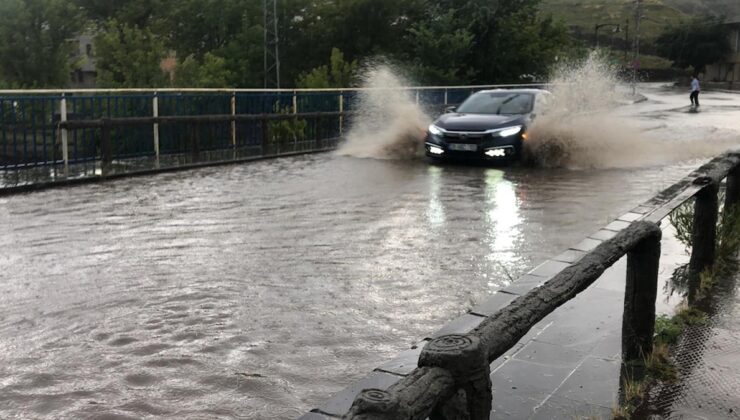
155 114
233 125
341 109
295 102
417 97
446 97
65 140
233 122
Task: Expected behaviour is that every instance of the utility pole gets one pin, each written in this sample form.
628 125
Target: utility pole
636 60
272 41
627 42
616 29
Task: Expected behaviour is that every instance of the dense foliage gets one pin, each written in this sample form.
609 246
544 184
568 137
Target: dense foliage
205 43
695 44
34 51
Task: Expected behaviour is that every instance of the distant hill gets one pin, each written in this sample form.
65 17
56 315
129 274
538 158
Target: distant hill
729 8
583 15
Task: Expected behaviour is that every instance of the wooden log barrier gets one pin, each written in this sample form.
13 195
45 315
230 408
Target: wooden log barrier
464 357
703 236
732 193
414 397
504 329
641 291
106 148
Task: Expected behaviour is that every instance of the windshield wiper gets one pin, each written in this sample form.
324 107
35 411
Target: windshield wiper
505 102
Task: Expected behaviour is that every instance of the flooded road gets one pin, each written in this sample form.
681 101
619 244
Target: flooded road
256 291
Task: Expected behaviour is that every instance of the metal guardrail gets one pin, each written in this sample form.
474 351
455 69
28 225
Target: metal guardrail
311 131
452 379
33 131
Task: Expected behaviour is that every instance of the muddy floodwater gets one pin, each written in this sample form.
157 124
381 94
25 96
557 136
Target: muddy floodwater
258 290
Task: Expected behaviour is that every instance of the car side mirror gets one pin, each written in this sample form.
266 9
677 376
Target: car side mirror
450 109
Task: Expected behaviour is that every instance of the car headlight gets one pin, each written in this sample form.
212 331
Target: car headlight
506 132
436 130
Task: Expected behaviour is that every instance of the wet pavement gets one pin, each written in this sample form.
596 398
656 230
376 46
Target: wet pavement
258 291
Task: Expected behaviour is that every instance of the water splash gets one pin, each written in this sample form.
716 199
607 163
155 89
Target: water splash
584 129
388 123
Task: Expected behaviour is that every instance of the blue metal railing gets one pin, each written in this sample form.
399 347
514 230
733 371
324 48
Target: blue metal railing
31 134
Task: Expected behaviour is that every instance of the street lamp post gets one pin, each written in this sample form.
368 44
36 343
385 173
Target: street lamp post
636 61
626 42
616 26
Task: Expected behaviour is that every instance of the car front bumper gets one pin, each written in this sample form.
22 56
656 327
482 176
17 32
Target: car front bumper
486 151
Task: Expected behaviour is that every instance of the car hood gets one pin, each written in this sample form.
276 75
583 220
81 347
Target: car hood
478 122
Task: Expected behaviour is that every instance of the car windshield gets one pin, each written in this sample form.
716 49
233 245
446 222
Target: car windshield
498 103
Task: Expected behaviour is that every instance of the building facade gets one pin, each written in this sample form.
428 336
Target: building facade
729 69
84 74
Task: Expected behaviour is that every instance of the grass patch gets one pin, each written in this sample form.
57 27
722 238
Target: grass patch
658 364
634 391
669 329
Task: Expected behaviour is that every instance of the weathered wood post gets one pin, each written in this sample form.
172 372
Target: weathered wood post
414 397
375 404
704 235
641 291
466 359
265 136
194 142
106 152
732 193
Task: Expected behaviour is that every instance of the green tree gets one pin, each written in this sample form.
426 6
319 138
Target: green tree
361 29
128 56
511 40
139 13
35 47
196 27
338 74
695 44
210 73
438 48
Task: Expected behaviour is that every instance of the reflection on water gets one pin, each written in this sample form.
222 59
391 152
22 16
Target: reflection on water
503 220
435 211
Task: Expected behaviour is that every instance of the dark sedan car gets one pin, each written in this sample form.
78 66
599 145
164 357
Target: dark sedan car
490 125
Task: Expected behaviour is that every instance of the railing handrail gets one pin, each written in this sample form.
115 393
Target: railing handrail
255 90
454 362
188 119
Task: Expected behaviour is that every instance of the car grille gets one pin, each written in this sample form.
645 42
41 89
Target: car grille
465 137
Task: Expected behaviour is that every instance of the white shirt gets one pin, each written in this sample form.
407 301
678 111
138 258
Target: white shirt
695 85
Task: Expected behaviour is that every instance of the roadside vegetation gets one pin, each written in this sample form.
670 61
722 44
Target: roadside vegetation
323 43
219 43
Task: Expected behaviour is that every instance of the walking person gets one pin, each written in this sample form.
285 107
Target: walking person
695 90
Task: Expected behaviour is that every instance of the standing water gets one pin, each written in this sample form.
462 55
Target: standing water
257 291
